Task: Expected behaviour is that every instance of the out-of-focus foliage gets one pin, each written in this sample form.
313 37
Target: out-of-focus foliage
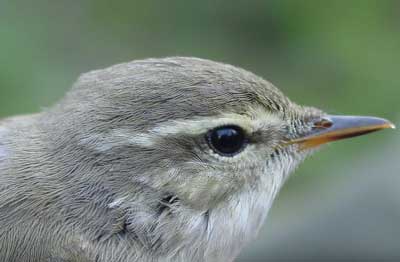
341 56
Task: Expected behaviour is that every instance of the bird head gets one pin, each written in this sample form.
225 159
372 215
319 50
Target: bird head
191 150
193 130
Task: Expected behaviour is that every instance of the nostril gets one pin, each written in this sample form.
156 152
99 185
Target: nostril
323 123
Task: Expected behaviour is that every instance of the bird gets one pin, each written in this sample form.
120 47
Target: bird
168 159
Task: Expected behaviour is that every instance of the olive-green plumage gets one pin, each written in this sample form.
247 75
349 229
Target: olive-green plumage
121 170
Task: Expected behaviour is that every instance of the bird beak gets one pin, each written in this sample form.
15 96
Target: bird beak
331 128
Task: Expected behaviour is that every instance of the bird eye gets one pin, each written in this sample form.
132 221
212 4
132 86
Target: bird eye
227 140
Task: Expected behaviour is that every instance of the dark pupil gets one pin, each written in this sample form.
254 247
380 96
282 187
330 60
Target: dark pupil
227 140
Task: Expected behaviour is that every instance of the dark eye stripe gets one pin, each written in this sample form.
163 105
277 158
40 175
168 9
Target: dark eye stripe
227 140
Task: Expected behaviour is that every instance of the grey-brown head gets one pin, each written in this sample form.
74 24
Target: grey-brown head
188 153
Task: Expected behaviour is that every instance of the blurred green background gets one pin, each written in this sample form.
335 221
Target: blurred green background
341 56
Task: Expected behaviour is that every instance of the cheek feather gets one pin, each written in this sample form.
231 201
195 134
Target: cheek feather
116 203
3 153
